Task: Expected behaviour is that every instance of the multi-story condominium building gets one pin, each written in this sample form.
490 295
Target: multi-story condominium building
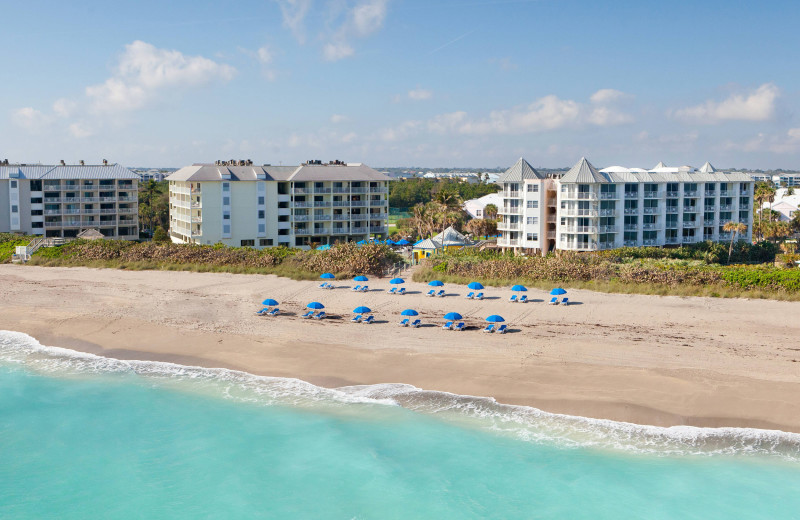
239 204
63 200
616 207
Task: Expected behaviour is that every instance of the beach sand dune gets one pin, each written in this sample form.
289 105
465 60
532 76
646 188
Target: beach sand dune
644 359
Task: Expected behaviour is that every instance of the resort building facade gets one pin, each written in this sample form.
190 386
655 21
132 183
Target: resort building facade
63 200
239 204
588 209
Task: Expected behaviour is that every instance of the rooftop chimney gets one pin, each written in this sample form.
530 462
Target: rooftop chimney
63 163
105 162
82 163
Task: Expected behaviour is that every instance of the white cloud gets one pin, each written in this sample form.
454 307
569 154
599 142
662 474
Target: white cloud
758 105
608 95
338 118
368 16
64 107
80 130
608 116
788 143
144 69
335 51
294 13
419 94
30 119
399 133
264 55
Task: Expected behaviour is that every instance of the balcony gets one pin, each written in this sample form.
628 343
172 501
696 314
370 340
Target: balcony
378 202
510 194
340 203
54 212
322 217
710 194
708 238
302 231
604 195
579 246
631 227
672 195
671 224
631 211
303 205
322 231
377 229
552 219
576 195
708 222
607 212
358 230
358 216
725 193
690 194
108 199
359 190
321 204
672 209
650 211
608 229
302 218
629 243
302 191
197 205
90 199
508 210
579 229
322 191
508 242
108 211
631 194
378 190
649 226
725 207
690 209
651 194
341 217
744 205
197 220
672 240
575 212
358 203
128 210
551 235
724 236
123 198
650 242
689 240
48 200
509 226
340 190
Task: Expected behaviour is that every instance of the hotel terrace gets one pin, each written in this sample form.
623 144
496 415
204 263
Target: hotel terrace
63 200
588 209
240 204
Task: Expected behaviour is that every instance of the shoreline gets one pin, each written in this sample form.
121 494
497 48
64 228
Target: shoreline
557 362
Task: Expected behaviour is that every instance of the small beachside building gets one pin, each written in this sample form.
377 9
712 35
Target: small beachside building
447 240
475 207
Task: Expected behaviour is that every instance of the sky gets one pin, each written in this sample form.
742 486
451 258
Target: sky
436 83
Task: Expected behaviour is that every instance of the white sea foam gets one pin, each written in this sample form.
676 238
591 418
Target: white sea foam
521 422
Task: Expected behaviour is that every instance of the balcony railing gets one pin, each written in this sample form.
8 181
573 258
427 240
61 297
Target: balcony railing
651 194
360 216
605 195
340 190
649 226
582 246
690 209
302 231
378 190
629 243
672 240
302 218
322 191
358 203
378 202
579 229
358 230
607 212
578 195
321 204
508 242
608 229
322 231
631 227
631 194
710 194
511 226
322 217
650 211
672 194
744 205
575 212
377 229
341 217
690 193
672 209
359 190
302 191
302 204
725 207
340 203
689 240
631 211
650 242
671 224
510 194
708 222
508 210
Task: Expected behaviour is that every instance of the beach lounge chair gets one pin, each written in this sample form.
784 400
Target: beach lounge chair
331 286
393 290
416 323
262 312
357 288
523 298
369 319
402 290
274 312
364 288
432 292
448 325
404 322
471 295
479 296
307 315
554 300
565 301
489 328
440 294
513 298
502 329
323 285
356 319
460 326
320 315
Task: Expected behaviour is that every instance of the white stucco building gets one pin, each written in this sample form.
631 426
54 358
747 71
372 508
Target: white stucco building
60 201
588 209
239 204
475 207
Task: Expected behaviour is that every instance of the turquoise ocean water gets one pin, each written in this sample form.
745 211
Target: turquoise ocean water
88 437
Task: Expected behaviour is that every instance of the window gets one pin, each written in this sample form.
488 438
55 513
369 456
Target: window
226 229
14 208
265 242
249 243
533 236
226 216
226 201
37 212
533 204
262 228
36 200
479 213
13 184
533 220
533 188
37 224
226 186
261 201
261 213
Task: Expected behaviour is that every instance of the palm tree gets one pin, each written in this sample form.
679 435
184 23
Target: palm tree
733 228
448 198
764 192
490 211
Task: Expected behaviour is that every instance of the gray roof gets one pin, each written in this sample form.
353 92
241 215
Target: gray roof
303 173
519 172
35 172
448 237
583 171
707 168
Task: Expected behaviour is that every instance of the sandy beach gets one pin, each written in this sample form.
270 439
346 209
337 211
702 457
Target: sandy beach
643 359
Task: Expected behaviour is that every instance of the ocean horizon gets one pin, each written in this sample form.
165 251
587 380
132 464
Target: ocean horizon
85 436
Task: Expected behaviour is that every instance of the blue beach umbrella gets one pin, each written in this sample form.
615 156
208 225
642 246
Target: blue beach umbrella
452 316
361 278
494 318
327 276
519 288
409 312
362 310
269 302
402 242
558 291
389 242
397 280
435 283
475 285
315 306
362 243
323 248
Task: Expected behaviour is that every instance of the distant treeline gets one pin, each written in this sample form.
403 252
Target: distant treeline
410 192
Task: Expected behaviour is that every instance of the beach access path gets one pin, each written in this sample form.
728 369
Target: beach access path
643 359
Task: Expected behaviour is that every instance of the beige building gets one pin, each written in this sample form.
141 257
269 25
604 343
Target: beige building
237 203
64 200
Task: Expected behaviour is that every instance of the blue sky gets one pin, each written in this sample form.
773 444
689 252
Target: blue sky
402 82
